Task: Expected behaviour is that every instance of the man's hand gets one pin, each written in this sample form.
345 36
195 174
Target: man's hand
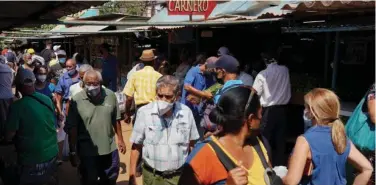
121 146
237 176
127 118
73 159
207 95
61 116
132 180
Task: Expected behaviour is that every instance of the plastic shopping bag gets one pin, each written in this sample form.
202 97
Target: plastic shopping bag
121 101
66 148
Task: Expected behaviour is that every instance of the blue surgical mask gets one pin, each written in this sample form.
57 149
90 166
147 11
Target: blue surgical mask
307 120
72 72
62 60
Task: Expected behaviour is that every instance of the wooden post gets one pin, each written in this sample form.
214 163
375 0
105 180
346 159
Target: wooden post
335 62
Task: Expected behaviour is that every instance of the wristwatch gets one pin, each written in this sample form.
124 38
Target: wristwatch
72 153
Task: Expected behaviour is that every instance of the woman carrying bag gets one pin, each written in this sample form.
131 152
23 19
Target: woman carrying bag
360 128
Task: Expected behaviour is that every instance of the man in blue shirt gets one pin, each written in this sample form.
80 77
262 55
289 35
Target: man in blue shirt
110 69
197 79
227 70
62 88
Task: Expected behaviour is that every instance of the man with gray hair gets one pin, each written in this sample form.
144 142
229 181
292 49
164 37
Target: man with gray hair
76 88
164 131
92 122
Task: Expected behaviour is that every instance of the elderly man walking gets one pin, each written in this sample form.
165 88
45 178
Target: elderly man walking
92 122
31 122
165 130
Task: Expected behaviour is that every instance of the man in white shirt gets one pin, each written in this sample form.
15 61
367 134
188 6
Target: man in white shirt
76 88
273 87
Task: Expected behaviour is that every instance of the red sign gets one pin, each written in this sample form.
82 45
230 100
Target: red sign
191 7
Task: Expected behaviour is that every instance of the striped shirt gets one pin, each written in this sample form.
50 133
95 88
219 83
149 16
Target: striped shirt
165 142
142 85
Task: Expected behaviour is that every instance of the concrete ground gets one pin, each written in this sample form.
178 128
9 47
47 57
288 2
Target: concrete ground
69 175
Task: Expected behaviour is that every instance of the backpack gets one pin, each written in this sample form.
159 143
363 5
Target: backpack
206 123
271 178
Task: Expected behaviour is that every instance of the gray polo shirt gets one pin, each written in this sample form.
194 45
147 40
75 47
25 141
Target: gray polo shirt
94 122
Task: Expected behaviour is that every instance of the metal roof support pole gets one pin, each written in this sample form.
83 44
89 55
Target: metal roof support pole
335 62
327 64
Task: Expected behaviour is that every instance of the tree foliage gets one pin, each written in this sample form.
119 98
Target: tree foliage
125 7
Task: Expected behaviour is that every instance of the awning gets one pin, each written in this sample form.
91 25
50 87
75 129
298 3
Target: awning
34 13
329 5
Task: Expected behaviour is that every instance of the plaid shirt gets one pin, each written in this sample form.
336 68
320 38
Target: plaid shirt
165 142
142 85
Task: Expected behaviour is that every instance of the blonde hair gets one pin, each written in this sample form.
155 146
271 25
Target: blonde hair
324 107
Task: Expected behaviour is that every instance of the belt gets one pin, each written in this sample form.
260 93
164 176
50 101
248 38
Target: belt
164 174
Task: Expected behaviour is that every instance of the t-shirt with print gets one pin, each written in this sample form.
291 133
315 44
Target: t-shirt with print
34 124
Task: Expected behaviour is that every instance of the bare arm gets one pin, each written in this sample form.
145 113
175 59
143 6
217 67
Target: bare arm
371 109
297 162
135 155
59 98
118 131
194 91
361 164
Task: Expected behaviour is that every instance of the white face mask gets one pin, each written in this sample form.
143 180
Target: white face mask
42 78
164 107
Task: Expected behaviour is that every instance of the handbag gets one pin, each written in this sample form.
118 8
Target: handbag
270 177
360 129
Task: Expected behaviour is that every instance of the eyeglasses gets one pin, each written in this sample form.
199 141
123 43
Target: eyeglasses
168 97
92 83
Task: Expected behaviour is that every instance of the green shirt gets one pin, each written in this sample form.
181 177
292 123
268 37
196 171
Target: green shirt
34 124
94 122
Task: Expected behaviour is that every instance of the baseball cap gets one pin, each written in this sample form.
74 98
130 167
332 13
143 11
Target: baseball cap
25 77
228 63
11 57
223 51
31 51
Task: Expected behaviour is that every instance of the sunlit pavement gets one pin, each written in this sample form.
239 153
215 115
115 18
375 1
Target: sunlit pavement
69 175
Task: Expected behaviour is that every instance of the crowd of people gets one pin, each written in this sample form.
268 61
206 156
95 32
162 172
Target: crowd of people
212 121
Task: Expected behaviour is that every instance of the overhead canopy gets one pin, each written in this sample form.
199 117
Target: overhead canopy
33 13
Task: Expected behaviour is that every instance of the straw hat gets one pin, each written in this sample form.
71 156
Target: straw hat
147 55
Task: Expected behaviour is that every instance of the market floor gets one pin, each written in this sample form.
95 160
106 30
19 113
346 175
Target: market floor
69 175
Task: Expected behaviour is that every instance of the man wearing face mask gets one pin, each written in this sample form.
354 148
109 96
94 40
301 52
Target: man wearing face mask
92 122
57 63
164 131
273 86
62 88
198 79
31 123
29 65
227 70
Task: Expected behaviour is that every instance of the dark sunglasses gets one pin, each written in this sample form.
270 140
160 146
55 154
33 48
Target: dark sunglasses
169 97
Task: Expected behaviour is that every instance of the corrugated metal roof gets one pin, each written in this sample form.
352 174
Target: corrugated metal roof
273 11
329 5
155 27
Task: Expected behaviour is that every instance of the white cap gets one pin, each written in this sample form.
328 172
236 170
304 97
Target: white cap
57 47
60 52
